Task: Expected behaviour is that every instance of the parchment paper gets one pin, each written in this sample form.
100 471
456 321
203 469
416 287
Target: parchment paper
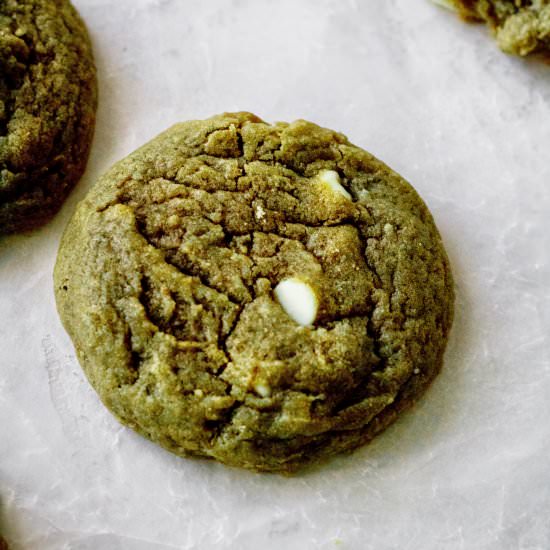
469 467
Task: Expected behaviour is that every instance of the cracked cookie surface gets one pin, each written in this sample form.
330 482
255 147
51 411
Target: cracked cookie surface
166 277
48 99
521 27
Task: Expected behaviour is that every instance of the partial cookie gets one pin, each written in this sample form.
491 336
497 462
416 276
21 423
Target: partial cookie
3 544
264 295
48 98
521 27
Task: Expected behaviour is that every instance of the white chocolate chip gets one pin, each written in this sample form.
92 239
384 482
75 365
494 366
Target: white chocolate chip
198 393
298 300
259 212
416 371
263 390
331 179
173 221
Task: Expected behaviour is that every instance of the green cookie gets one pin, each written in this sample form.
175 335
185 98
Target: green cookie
47 108
264 295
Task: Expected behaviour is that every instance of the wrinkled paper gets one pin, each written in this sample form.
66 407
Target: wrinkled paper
469 467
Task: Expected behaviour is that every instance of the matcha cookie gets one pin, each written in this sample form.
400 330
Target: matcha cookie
521 27
264 295
47 108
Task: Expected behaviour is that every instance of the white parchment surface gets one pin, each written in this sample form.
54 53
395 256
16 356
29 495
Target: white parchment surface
469 467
